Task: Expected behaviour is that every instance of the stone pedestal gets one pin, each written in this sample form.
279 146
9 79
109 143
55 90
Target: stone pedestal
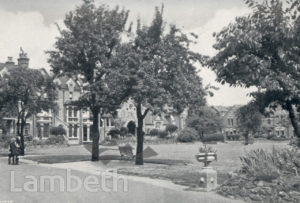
208 179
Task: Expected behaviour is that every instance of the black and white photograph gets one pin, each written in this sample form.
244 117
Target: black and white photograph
150 101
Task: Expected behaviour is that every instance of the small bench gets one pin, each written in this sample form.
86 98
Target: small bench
126 152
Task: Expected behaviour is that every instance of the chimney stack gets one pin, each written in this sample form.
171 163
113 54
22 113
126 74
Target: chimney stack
10 61
23 60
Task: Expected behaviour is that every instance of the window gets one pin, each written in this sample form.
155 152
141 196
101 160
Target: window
75 130
75 113
107 121
46 130
70 131
101 123
269 121
230 121
112 122
70 112
39 130
27 129
85 134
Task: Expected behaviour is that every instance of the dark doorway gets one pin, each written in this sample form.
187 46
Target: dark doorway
85 134
131 127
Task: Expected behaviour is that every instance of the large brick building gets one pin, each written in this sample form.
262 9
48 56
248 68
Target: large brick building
76 122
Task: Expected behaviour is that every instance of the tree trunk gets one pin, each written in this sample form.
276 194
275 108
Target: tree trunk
95 135
294 122
246 135
179 122
139 160
22 144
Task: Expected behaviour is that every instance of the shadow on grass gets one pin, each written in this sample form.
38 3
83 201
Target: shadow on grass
76 158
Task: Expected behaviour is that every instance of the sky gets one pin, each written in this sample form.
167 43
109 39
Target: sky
30 24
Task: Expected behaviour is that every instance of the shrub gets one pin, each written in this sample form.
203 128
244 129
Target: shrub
212 137
187 135
35 140
276 171
114 132
270 136
171 128
28 138
123 131
162 134
260 165
59 130
154 132
53 140
43 142
5 140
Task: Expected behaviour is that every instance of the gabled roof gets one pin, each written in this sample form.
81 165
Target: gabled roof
7 65
63 83
225 110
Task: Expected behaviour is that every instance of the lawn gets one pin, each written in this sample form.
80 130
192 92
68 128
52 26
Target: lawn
175 162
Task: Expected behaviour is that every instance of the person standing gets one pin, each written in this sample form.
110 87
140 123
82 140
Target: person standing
14 152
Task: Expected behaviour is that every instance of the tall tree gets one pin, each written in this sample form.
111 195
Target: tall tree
84 51
27 92
262 50
160 72
205 120
249 120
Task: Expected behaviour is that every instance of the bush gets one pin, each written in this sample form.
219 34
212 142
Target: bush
270 136
162 134
154 132
171 128
5 140
212 137
43 142
187 135
274 173
114 132
28 138
59 130
123 131
53 140
35 140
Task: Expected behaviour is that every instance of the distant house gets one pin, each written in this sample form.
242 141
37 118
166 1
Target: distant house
276 124
229 118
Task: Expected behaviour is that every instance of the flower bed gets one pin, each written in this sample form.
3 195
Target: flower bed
266 177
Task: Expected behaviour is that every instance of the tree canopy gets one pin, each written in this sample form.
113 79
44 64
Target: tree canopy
84 51
27 92
262 50
205 120
161 72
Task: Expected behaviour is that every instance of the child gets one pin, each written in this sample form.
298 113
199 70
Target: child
14 152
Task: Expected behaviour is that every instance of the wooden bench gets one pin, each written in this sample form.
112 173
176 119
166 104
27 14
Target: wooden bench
126 152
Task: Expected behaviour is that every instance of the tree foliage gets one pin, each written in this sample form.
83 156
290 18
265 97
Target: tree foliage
27 92
59 130
84 51
205 120
249 119
262 50
161 72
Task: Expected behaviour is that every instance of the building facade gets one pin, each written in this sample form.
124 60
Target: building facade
276 124
78 122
